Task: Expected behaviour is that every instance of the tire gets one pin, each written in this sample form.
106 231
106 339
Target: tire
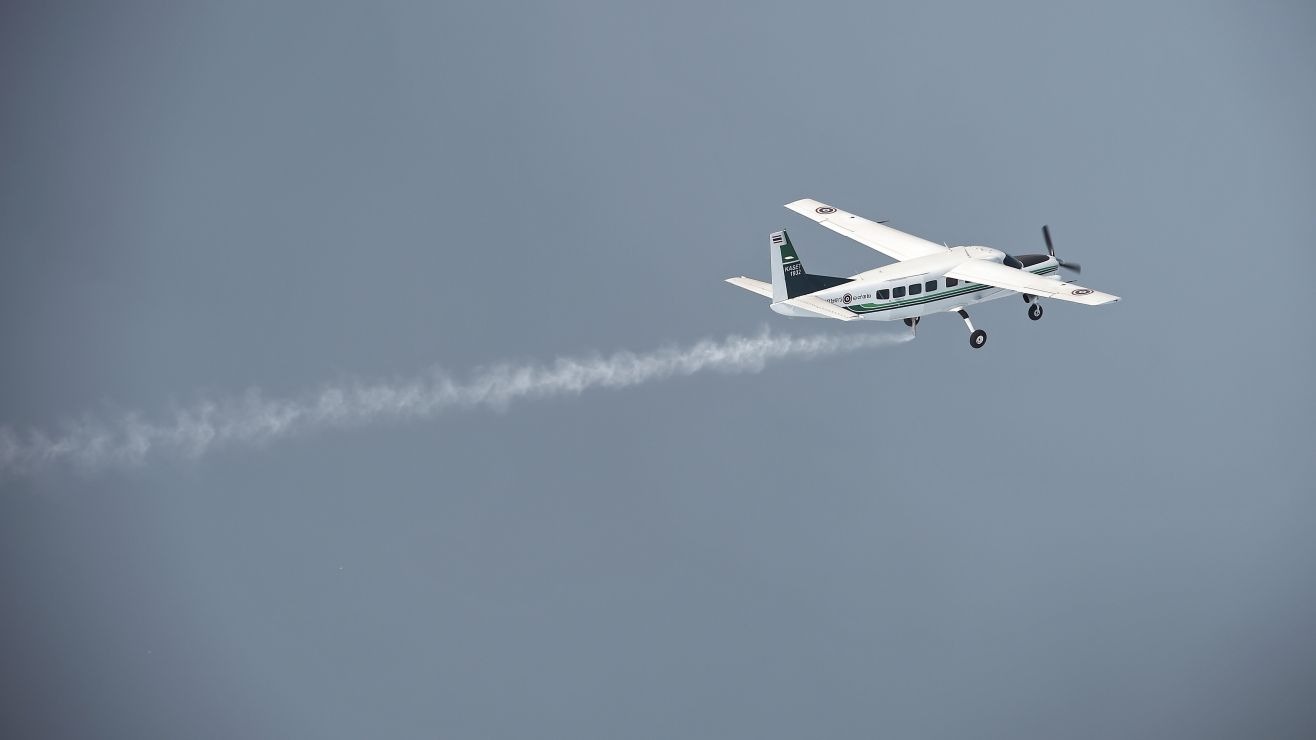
977 339
1035 311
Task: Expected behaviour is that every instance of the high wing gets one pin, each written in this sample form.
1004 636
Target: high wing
1009 278
817 306
893 243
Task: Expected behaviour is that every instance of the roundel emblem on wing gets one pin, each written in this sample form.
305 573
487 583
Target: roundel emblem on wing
1081 291
847 298
824 210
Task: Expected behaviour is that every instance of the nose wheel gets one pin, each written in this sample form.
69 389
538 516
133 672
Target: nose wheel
977 337
1035 311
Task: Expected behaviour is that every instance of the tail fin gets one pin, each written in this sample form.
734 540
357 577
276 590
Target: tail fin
789 280
787 270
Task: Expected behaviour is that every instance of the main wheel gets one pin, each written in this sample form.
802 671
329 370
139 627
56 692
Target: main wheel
911 323
1035 311
977 339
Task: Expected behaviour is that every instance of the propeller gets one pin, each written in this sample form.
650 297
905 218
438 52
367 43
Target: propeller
1051 250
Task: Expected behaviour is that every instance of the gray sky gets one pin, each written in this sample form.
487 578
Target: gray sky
1097 526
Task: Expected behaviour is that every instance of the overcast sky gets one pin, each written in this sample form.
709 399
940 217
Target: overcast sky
1099 525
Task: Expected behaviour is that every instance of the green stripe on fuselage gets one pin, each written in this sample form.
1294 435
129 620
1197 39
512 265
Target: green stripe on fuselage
865 308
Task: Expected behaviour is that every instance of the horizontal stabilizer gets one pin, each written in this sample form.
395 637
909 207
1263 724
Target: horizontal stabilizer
750 284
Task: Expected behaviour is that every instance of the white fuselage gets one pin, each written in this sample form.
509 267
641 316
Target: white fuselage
916 287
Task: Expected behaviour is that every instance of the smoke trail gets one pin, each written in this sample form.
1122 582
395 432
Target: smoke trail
252 419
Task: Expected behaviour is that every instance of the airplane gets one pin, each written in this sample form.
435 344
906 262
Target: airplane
926 278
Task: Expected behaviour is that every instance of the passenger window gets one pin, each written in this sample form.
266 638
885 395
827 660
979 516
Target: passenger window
930 285
915 289
898 292
951 282
883 294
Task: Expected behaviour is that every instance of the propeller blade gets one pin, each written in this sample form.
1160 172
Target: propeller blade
1076 267
1046 234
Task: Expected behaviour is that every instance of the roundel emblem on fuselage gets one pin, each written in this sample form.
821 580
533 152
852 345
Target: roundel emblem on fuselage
824 210
847 298
1081 291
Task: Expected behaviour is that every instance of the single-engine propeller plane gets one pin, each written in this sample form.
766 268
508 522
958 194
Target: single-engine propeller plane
927 278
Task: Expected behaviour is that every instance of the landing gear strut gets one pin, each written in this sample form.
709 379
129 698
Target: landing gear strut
1034 308
913 324
977 337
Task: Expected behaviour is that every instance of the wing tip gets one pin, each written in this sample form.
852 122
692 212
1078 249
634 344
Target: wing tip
807 206
1101 301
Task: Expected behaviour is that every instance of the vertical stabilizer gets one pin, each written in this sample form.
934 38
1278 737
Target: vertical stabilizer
788 276
789 280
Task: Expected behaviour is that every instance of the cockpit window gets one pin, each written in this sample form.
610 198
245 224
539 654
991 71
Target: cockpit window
1012 262
883 294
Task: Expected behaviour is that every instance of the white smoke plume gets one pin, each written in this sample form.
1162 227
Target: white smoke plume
252 419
